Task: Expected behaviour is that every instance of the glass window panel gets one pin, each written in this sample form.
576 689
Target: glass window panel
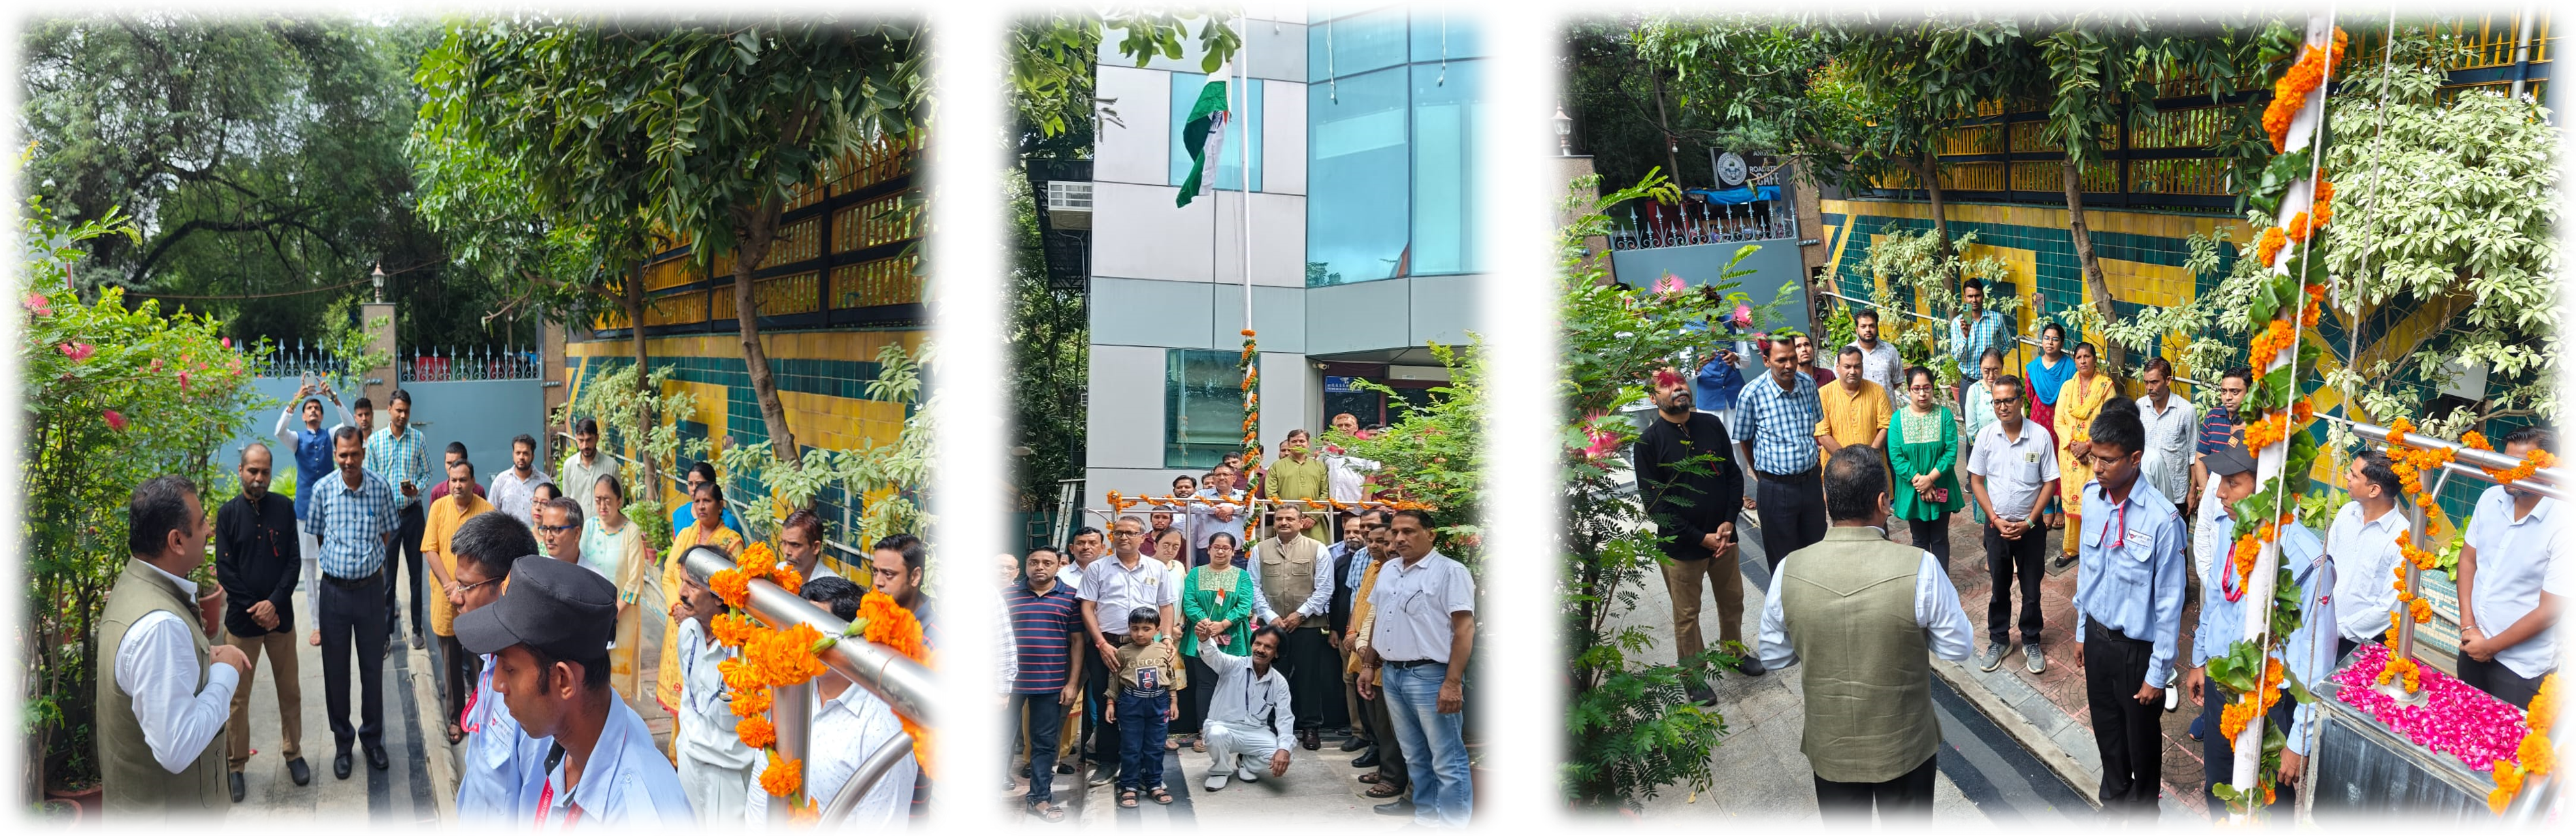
1228 171
1355 44
1202 407
1440 33
1357 195
1448 110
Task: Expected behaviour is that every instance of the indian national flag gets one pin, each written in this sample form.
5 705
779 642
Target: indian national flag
1204 133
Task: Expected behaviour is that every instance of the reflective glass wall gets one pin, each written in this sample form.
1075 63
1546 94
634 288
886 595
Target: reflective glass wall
1394 107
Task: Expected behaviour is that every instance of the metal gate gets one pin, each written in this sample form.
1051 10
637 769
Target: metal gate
506 400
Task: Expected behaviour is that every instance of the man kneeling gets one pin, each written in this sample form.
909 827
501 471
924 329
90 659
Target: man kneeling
1248 719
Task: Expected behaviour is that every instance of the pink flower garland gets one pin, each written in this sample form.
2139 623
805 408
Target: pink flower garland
2455 719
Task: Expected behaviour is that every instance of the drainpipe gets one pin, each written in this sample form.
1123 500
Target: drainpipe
2522 54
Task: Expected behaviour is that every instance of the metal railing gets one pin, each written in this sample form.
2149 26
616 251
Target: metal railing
905 685
1697 222
441 365
298 361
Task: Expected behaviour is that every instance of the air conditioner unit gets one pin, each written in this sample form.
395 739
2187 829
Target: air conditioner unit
1068 204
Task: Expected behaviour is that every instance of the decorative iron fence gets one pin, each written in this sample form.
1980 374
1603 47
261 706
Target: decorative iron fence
298 361
1697 222
440 365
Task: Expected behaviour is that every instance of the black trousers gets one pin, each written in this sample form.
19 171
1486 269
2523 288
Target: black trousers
353 620
2006 559
1046 728
1907 796
1791 509
412 524
1099 710
2499 681
2218 753
1933 536
458 672
1314 675
1194 699
1390 749
2127 732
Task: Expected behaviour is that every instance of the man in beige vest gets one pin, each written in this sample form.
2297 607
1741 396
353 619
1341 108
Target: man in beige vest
1296 596
1865 615
164 692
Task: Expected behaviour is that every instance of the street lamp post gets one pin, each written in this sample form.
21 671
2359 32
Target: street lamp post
378 279
1564 133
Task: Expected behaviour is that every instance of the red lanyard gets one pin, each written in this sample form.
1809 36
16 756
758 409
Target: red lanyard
546 804
466 719
2123 521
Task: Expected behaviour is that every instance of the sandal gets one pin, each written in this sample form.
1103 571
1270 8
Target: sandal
455 734
1160 795
1198 743
1047 810
1171 744
1127 799
1371 778
1382 790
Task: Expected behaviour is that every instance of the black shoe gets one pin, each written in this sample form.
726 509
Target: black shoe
1025 772
1398 807
297 770
1700 693
2063 561
1750 666
376 759
1355 744
236 782
1063 769
1309 739
1366 760
417 643
340 765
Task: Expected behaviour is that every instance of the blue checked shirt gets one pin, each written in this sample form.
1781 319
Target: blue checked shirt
998 644
1781 426
1992 330
352 524
399 458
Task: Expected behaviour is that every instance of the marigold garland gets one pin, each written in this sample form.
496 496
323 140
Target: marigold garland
782 777
2269 245
756 732
2290 93
2268 345
2405 668
2535 756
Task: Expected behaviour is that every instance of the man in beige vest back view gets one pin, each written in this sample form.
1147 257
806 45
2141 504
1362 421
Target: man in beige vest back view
164 692
1865 616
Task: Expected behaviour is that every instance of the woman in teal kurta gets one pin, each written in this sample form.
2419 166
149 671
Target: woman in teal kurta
1216 606
1922 448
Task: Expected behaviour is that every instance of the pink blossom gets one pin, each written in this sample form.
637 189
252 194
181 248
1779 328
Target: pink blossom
183 381
1743 316
1667 377
228 342
156 364
1603 443
1668 285
77 351
115 421
1471 541
39 304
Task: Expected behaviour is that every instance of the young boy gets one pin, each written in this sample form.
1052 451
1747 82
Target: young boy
716 769
1149 682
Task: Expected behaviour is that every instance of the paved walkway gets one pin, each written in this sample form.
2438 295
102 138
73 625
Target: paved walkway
420 786
1320 789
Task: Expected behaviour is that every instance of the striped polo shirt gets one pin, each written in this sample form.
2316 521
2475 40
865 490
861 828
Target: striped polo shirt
1041 624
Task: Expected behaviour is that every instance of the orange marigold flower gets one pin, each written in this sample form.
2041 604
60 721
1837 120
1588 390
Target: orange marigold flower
2298 228
2421 609
733 629
757 558
785 657
756 732
787 579
2536 755
2474 440
805 819
2269 245
752 702
733 586
2544 705
2324 206
783 778
2303 411
921 748
2397 428
2233 718
739 676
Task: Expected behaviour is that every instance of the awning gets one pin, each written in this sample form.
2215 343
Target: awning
1725 197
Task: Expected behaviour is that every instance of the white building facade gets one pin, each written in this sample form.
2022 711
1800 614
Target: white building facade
1363 136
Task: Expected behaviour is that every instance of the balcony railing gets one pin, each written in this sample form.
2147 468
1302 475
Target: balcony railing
1699 222
441 365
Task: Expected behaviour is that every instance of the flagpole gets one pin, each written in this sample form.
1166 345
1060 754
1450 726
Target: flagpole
1243 71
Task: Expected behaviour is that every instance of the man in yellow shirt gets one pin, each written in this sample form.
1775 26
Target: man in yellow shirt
1855 410
457 669
1299 474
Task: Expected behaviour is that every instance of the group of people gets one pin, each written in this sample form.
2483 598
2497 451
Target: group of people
2142 489
1248 651
536 606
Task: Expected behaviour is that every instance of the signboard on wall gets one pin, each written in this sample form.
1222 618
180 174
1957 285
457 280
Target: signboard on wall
1334 384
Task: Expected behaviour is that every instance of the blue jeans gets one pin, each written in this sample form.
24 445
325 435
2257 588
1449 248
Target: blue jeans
1046 729
1140 739
1435 744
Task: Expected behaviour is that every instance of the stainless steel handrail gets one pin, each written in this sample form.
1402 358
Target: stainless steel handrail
871 771
904 685
2466 461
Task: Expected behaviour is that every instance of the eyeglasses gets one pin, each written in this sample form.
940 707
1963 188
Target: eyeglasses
551 529
474 586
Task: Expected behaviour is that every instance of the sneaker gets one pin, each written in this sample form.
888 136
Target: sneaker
1993 657
2173 696
2038 663
1102 776
1216 781
1246 775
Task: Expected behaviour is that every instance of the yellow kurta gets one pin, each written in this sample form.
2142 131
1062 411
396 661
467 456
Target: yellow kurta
2077 404
444 516
1851 417
667 682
